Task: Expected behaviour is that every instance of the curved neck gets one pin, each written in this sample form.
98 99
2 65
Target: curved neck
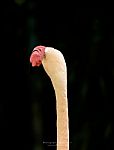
55 66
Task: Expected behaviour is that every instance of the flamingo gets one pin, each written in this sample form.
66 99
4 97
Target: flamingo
55 66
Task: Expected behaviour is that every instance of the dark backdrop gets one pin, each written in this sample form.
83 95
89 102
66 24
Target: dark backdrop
27 103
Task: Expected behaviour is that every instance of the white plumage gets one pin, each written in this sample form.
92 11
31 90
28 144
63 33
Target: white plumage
55 66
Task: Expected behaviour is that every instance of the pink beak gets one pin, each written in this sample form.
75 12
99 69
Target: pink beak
37 55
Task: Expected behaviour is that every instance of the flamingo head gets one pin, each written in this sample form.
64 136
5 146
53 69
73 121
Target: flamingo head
37 55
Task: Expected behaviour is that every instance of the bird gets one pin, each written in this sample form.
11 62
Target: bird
55 66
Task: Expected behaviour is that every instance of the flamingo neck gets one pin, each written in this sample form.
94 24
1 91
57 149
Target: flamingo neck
55 66
62 122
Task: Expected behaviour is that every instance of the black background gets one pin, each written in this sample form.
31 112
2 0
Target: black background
27 103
